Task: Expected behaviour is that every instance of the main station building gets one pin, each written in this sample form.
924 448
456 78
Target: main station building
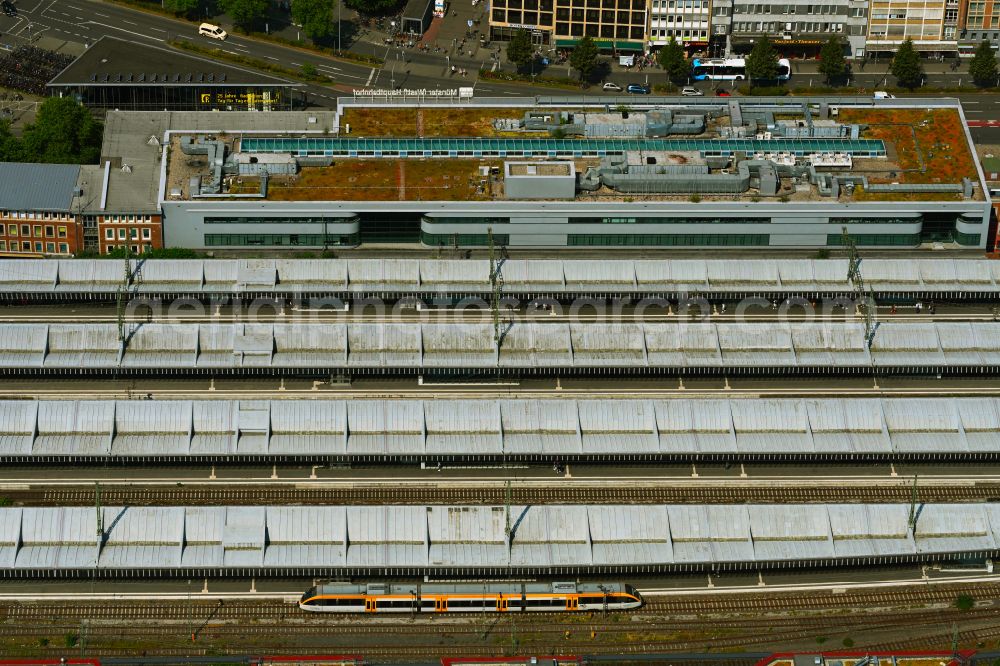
561 173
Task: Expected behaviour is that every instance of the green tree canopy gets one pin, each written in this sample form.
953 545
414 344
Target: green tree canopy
983 67
315 17
245 13
179 7
674 61
832 64
374 6
10 147
906 66
519 50
584 57
64 132
762 63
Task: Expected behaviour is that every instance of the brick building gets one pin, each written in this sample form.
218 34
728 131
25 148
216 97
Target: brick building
37 213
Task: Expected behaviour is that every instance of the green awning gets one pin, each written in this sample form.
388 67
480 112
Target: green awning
605 44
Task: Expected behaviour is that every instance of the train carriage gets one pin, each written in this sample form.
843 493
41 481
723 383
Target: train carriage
469 598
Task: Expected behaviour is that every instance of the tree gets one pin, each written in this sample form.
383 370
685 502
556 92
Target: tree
584 57
245 12
64 132
673 60
519 50
831 61
10 147
179 7
983 67
906 66
762 63
374 6
315 17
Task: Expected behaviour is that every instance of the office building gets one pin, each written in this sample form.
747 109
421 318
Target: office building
932 26
616 25
797 29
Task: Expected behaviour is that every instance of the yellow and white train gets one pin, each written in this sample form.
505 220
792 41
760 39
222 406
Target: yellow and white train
469 598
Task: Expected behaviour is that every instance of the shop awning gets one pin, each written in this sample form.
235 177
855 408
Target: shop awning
605 44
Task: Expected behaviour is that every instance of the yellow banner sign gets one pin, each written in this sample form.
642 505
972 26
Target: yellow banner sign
247 99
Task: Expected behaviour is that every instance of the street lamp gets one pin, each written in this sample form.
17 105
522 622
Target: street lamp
339 3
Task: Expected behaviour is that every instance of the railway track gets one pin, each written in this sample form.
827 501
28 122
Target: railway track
183 494
588 633
755 606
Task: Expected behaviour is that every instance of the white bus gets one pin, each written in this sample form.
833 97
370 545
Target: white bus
731 69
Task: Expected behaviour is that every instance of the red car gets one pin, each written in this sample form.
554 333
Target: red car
722 93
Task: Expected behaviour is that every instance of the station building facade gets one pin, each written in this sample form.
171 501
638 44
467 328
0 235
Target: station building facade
240 225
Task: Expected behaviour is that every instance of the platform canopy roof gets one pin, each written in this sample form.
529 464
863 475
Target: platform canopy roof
429 538
468 429
364 276
774 347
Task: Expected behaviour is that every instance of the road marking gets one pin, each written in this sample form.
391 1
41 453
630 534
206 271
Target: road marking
101 15
136 34
297 64
271 58
129 22
332 69
368 83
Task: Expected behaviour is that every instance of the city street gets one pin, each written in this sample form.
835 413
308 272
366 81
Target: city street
85 21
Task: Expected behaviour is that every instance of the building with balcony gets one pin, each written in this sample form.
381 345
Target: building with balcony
932 26
616 25
687 21
797 29
979 20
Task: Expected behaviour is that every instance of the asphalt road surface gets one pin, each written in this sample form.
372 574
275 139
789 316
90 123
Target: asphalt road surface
85 21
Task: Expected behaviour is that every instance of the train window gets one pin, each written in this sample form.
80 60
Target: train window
594 600
464 603
338 602
428 603
548 603
396 603
513 603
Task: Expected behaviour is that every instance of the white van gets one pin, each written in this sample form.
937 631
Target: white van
213 31
881 94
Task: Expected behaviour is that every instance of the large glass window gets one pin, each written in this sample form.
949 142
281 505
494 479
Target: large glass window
899 240
462 240
379 227
967 239
280 240
466 220
669 220
874 220
277 220
670 239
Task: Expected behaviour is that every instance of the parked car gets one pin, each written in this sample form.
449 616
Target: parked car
689 91
638 89
212 31
8 8
612 87
722 92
